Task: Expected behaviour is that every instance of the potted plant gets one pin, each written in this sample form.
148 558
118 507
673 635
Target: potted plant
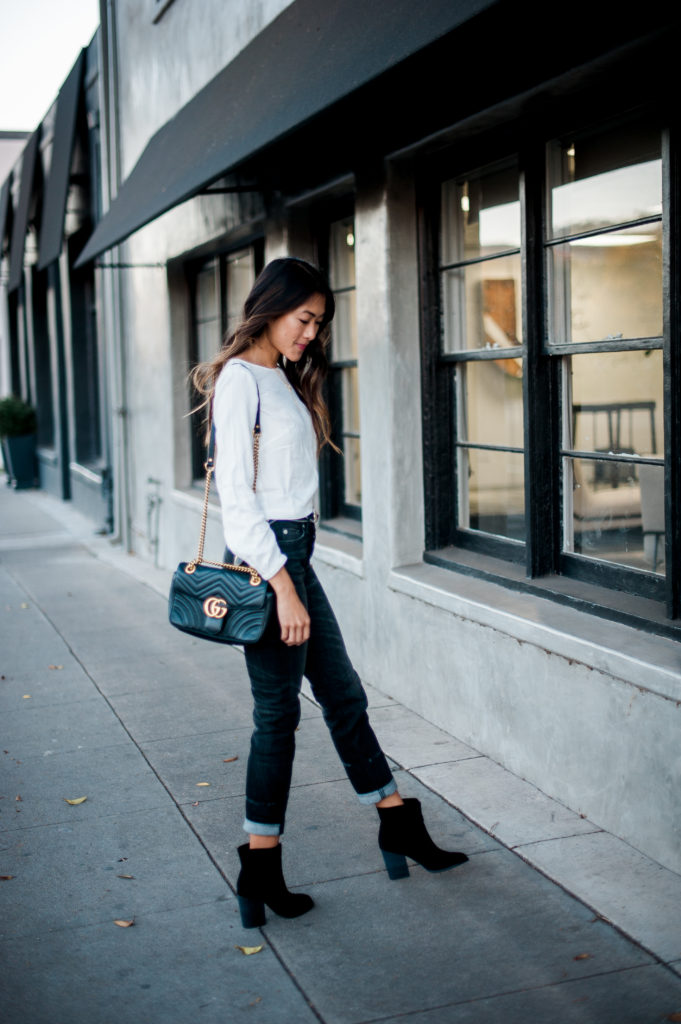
18 435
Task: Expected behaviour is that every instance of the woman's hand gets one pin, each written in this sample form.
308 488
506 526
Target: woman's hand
291 612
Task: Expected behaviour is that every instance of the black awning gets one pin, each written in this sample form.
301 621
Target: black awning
56 192
5 208
310 57
20 226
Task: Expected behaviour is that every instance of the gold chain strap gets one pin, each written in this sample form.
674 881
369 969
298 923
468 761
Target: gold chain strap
209 466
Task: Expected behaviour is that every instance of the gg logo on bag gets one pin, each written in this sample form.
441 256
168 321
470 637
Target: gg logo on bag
215 607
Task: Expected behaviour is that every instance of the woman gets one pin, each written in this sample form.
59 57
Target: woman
275 361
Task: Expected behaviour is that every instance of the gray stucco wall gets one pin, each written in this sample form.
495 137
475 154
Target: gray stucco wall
587 710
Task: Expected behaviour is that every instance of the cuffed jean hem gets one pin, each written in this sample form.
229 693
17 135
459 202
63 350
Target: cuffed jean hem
378 794
257 828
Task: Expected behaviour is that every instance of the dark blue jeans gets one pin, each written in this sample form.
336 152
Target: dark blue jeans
276 673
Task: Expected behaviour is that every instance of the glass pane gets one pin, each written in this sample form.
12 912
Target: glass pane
617 403
344 327
611 179
492 492
240 277
207 292
480 216
352 469
607 287
342 253
490 402
350 387
615 512
208 339
481 305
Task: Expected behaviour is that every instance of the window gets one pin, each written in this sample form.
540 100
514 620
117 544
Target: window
481 290
219 287
546 407
43 361
341 476
85 356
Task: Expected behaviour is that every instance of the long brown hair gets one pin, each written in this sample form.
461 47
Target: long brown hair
283 285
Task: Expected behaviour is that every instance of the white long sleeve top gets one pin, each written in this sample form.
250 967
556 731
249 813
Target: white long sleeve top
287 466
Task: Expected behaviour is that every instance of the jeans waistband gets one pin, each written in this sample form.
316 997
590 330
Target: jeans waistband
310 520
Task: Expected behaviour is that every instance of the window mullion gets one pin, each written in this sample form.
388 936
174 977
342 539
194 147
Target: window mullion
540 391
437 391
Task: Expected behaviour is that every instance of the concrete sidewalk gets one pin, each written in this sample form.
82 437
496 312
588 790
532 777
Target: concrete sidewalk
552 920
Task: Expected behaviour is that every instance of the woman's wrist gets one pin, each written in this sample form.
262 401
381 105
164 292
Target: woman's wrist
281 582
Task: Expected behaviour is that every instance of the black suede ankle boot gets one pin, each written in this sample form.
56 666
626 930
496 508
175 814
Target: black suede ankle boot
260 882
403 834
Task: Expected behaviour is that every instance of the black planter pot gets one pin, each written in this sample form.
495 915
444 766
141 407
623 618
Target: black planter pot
19 455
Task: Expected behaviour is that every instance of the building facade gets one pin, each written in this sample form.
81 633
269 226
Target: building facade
499 222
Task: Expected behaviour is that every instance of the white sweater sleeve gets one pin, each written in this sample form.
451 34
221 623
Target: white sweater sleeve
247 532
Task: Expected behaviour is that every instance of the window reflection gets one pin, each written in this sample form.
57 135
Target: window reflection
481 305
481 300
617 402
207 325
607 287
617 512
491 492
614 508
490 402
490 412
481 288
344 367
342 253
351 448
240 276
613 178
481 216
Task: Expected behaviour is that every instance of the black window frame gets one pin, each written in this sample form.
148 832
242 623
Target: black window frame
333 504
192 268
539 564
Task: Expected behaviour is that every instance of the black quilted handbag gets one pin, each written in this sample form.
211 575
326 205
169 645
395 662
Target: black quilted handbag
230 604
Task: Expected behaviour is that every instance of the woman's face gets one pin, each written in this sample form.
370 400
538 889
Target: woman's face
290 334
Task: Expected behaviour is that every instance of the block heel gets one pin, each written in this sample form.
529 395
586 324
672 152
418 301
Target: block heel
261 884
252 912
396 865
403 834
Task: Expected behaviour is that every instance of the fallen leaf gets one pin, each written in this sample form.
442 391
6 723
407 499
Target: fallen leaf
26 696
196 803
78 800
18 798
125 876
6 878
125 924
583 956
228 760
249 950
55 666
203 783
